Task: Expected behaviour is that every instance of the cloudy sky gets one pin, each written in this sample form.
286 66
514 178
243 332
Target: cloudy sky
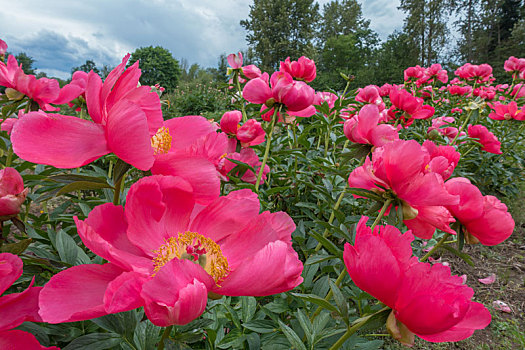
60 34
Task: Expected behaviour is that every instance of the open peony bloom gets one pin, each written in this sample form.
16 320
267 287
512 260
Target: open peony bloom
478 73
365 128
235 60
426 300
302 69
515 65
167 253
43 91
17 308
408 106
414 174
485 218
124 119
506 112
191 148
12 193
489 142
435 71
448 131
295 95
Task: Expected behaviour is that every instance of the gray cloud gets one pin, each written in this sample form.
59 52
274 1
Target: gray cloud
60 34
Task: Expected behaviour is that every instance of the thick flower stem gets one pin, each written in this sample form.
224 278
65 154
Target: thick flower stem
381 214
332 215
267 149
116 193
439 244
354 328
165 336
9 156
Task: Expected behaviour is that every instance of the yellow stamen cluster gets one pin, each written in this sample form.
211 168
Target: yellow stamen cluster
161 141
212 260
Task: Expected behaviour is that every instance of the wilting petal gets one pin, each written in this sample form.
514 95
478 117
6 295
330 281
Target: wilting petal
58 140
488 280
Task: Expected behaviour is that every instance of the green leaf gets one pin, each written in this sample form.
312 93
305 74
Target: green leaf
292 337
254 341
66 247
306 324
146 335
82 185
95 341
260 326
327 244
340 300
235 337
70 178
318 258
459 254
120 170
235 317
248 305
16 248
365 193
123 323
312 298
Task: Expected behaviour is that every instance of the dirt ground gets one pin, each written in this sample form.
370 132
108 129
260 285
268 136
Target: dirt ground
507 262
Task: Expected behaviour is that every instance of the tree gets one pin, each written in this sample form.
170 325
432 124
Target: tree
86 67
281 28
27 62
393 58
346 44
158 66
426 26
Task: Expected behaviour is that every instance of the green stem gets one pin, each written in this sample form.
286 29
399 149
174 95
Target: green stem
165 336
381 214
9 156
462 127
116 193
267 149
330 293
518 139
236 80
439 244
332 214
354 328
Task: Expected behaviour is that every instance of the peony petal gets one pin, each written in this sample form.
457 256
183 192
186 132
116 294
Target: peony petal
16 339
227 214
77 294
274 269
128 135
177 294
186 130
488 280
58 140
17 308
123 293
10 269
93 102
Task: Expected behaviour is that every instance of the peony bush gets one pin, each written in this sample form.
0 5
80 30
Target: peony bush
276 225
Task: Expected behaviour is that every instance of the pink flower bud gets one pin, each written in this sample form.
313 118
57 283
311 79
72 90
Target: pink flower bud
12 193
235 61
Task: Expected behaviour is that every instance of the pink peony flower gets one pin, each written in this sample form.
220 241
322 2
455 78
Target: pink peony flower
506 112
235 60
435 71
365 128
518 91
370 94
449 131
514 65
404 168
251 133
414 73
302 69
459 90
327 97
191 148
408 104
3 48
295 95
248 156
230 122
489 142
17 308
381 264
167 253
251 71
479 74
124 119
12 193
485 218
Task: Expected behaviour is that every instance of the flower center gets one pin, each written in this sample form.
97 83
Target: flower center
197 248
161 141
